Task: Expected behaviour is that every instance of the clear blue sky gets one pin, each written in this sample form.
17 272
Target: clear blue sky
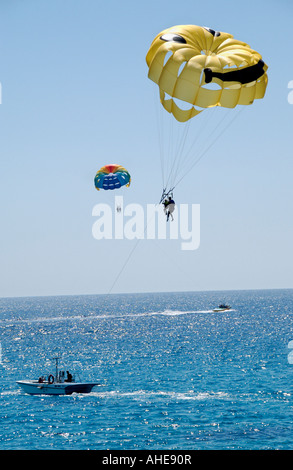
75 95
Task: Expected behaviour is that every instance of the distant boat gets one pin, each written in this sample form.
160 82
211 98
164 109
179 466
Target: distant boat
222 308
56 384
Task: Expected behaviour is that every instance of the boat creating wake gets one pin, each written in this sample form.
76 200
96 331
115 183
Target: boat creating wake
81 318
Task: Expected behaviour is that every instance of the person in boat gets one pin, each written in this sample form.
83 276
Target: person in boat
41 380
69 377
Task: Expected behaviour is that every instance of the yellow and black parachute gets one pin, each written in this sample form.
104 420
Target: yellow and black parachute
196 68
205 68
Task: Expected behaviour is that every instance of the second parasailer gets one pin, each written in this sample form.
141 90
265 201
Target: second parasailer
112 177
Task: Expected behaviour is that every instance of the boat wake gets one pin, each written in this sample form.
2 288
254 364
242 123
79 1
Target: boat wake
173 313
87 317
144 395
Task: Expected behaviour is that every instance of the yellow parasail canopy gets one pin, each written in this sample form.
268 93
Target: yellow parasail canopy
204 68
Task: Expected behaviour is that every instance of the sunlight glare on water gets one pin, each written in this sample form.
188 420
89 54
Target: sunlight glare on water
174 374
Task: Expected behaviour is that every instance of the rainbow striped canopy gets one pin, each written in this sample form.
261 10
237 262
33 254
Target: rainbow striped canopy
112 177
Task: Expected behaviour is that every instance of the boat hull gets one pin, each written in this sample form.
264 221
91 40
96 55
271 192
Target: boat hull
36 388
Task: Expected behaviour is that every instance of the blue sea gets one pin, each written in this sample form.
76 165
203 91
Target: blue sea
174 375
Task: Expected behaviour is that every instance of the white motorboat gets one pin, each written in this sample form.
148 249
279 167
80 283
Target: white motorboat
222 308
56 384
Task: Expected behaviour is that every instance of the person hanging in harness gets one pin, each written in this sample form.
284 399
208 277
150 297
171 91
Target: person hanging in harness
169 206
165 204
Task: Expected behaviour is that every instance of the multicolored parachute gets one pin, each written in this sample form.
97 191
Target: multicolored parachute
204 68
112 177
